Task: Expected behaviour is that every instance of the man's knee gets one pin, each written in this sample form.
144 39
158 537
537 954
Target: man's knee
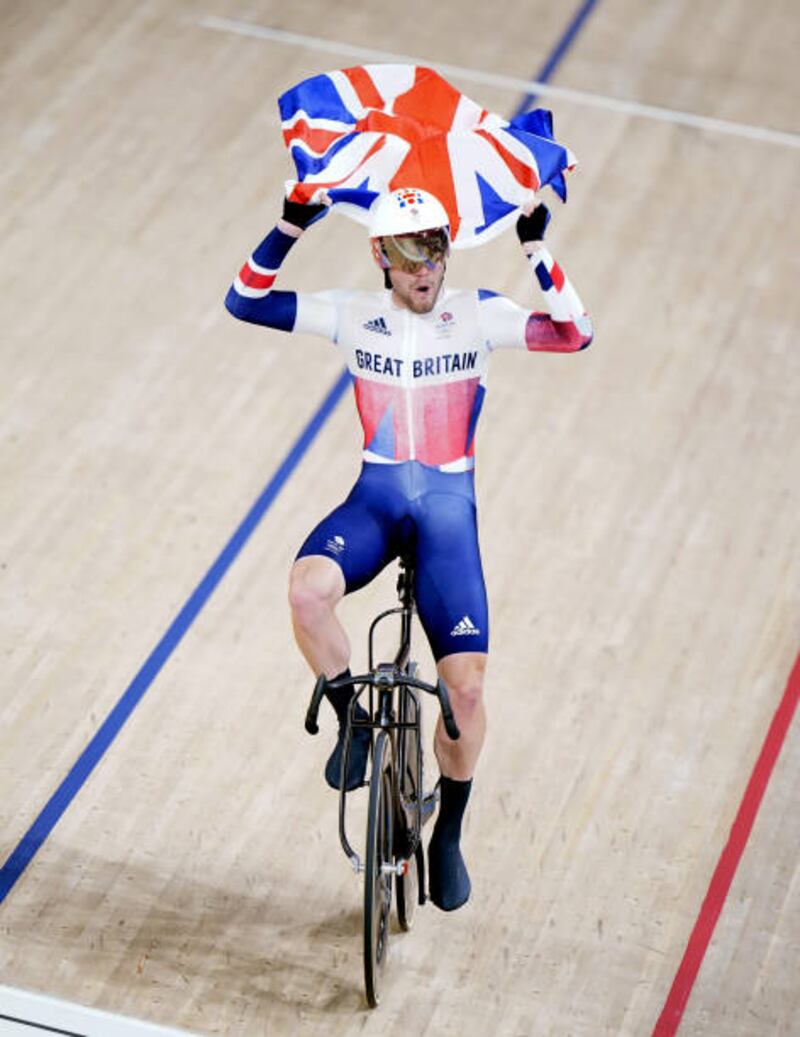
316 586
466 698
463 676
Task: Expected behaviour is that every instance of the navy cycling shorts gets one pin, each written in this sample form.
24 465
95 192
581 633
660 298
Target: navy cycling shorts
431 514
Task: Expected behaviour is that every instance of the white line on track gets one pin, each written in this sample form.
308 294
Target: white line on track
527 86
26 1014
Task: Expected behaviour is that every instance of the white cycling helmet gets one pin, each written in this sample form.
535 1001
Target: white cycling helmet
406 211
409 229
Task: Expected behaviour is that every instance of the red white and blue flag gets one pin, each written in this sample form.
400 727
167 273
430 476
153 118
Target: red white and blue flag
358 132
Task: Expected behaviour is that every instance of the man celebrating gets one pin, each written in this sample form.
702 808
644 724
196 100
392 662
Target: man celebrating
418 354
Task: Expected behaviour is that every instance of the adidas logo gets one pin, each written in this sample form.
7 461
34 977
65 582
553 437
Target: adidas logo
466 626
377 325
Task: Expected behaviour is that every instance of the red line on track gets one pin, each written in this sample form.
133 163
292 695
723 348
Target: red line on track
672 1012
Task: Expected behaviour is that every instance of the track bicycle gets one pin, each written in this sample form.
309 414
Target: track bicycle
398 805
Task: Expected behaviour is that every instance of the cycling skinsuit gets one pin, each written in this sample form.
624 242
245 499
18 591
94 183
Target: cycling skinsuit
419 385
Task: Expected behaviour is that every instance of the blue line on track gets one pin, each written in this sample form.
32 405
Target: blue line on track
558 53
71 785
110 728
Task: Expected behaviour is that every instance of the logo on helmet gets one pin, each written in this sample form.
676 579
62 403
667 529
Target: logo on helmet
409 196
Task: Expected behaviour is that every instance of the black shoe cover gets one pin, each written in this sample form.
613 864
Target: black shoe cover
448 880
357 760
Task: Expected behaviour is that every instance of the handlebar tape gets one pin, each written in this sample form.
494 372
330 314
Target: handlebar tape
312 713
450 724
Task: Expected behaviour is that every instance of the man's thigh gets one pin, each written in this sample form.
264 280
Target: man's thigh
357 539
450 589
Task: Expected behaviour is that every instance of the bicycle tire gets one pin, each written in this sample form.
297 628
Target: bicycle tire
377 878
409 884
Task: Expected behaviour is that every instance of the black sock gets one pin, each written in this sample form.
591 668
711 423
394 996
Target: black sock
453 797
340 698
449 883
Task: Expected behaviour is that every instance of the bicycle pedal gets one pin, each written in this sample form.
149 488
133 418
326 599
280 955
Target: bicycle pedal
429 804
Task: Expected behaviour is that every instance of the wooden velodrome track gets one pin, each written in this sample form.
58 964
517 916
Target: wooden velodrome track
639 516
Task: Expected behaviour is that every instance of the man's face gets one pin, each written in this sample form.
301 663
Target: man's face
417 291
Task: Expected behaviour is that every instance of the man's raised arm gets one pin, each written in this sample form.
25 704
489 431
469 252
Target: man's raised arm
563 326
251 296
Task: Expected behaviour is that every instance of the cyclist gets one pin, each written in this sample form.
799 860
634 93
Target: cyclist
418 354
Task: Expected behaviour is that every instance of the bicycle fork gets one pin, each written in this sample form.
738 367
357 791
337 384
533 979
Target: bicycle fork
385 720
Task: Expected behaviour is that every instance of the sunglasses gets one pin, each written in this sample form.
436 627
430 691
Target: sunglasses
411 252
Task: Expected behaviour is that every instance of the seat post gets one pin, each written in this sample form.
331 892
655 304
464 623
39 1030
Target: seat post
405 591
405 582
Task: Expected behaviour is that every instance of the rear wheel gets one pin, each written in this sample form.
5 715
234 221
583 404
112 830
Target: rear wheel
378 868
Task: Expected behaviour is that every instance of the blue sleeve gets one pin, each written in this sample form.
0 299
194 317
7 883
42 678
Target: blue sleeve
251 297
276 310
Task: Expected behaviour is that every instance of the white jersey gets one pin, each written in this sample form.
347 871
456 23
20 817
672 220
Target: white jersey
419 378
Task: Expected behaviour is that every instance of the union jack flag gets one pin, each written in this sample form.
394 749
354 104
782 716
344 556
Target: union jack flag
358 132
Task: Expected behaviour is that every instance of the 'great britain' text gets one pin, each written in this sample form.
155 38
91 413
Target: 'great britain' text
423 367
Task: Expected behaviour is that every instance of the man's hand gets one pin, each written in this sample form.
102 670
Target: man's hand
302 216
533 226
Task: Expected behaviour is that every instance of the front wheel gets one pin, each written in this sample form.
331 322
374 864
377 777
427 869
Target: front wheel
378 868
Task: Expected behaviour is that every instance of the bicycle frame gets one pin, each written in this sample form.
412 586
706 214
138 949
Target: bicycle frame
396 680
390 716
406 610
398 805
